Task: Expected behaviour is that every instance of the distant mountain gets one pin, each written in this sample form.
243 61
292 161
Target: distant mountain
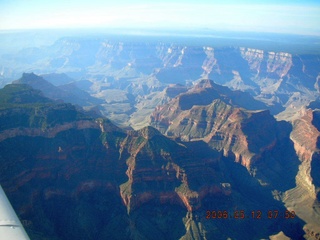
70 94
270 76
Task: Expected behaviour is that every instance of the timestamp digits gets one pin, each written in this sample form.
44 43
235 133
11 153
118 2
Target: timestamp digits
254 214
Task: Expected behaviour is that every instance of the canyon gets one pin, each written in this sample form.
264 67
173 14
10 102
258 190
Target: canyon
117 139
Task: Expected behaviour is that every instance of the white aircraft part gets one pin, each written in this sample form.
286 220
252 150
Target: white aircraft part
10 225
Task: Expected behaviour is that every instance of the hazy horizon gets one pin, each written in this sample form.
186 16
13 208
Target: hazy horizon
287 17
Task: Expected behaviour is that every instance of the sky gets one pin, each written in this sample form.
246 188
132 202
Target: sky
279 16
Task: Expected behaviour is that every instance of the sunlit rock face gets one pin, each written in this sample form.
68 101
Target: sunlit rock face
282 156
307 127
265 63
123 75
209 112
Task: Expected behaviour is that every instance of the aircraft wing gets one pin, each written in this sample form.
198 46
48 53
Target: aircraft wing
10 225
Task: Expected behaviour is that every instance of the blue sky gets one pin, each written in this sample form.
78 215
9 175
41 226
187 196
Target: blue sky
281 16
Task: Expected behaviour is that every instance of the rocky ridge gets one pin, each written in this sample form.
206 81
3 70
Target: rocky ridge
208 112
135 182
70 159
142 68
269 149
307 179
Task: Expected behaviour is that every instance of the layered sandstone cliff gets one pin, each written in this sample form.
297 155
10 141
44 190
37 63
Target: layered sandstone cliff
305 136
207 112
57 167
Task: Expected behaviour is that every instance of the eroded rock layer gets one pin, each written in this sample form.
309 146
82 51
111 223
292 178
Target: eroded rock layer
305 136
70 176
281 157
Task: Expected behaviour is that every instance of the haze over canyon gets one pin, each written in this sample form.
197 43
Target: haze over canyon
114 136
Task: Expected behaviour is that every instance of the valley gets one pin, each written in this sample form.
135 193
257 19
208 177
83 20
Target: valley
149 137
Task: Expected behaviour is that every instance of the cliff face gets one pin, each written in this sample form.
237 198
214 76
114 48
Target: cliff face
281 80
268 63
281 157
307 127
207 112
161 169
172 63
54 177
100 182
59 167
84 178
305 136
131 71
270 76
252 138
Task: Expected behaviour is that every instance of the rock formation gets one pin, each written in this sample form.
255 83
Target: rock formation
306 135
65 157
269 149
208 112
